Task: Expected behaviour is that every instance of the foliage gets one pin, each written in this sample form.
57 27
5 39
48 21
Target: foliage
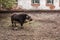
7 3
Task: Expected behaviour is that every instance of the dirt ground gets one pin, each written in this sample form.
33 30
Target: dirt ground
45 26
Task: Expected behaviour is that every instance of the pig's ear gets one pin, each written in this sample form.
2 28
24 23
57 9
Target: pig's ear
27 16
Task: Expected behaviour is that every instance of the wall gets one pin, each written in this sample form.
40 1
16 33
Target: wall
26 4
